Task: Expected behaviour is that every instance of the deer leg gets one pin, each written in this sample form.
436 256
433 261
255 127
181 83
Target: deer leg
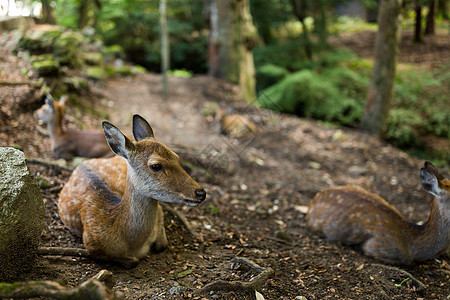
161 242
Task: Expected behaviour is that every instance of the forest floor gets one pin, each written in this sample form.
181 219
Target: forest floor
257 184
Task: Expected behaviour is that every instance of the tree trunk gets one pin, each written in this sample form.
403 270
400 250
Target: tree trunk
232 38
47 12
418 25
382 82
164 43
431 18
83 11
299 8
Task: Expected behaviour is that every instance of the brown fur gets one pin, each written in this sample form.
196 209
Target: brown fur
67 144
352 215
113 203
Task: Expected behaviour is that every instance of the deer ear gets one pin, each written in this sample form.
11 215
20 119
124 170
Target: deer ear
63 99
429 182
50 103
117 141
141 128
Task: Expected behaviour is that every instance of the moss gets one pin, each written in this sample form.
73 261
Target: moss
93 58
95 72
46 66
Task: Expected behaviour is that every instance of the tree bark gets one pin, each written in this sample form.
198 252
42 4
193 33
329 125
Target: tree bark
431 18
418 25
164 43
382 82
232 38
47 12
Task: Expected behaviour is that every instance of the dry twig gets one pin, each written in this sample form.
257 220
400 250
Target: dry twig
236 286
420 285
90 289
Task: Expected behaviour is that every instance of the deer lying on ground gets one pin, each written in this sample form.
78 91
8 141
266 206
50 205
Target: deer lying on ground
352 215
114 203
67 144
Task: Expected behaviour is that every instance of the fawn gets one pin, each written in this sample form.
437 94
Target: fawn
352 215
67 144
113 202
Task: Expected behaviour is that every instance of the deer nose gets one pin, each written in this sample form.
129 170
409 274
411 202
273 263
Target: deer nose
201 194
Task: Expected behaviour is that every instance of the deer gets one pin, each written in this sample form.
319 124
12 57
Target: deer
234 125
114 203
353 216
67 144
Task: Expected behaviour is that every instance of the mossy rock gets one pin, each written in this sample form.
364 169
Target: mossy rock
39 40
95 72
75 83
113 51
21 215
93 58
131 70
67 49
45 65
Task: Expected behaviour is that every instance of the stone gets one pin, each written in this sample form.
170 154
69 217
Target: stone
21 215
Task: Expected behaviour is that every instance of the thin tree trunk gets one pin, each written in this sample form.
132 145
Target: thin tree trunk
431 18
381 85
164 43
47 12
232 37
418 25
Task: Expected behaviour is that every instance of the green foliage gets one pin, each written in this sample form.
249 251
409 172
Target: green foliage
268 75
306 93
402 127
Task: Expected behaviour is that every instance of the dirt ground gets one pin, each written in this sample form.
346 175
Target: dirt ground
257 187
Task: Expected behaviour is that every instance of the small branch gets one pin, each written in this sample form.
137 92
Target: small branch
16 83
420 287
77 252
91 289
183 219
37 161
235 286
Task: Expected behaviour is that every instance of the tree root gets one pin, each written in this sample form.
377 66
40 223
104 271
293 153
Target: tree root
420 285
90 289
77 252
239 286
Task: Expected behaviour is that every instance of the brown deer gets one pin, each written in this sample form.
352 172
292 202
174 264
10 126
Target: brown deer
113 203
352 215
67 144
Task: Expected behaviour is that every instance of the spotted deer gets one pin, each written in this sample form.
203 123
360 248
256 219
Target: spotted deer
113 203
67 144
352 215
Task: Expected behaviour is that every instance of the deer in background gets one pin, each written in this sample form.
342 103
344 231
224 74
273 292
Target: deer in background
114 203
352 215
67 144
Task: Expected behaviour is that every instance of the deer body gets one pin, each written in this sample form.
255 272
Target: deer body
114 203
352 215
67 144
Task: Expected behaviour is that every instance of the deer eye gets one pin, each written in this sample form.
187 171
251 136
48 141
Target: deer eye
156 167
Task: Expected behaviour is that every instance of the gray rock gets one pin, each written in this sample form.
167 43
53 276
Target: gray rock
21 214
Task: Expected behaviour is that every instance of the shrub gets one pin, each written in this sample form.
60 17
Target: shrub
402 127
308 94
268 75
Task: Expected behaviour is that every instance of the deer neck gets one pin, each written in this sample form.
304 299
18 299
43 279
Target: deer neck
55 129
434 236
137 213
